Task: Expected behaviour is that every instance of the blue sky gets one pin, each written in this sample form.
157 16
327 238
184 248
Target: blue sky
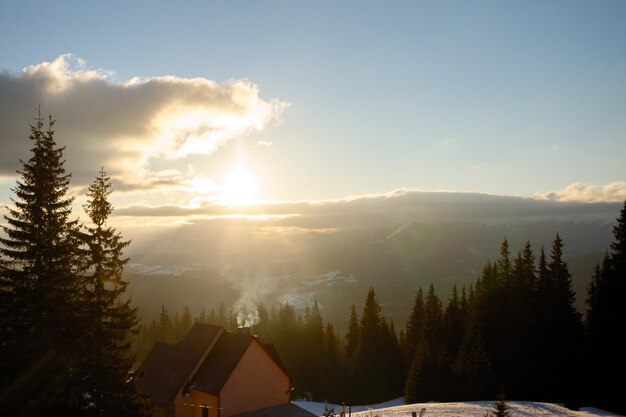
512 98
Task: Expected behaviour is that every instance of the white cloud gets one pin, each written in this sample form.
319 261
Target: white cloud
126 126
614 192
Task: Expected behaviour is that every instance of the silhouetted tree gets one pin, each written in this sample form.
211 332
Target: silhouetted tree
351 351
560 330
605 318
331 367
41 285
414 327
111 319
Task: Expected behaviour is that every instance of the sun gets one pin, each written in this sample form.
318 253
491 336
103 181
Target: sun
239 187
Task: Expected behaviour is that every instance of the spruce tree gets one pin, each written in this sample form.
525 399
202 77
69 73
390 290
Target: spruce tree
41 284
501 407
521 337
606 317
352 338
331 366
452 337
560 331
313 347
111 317
414 327
375 373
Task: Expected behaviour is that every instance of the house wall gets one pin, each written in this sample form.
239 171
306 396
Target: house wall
188 406
256 382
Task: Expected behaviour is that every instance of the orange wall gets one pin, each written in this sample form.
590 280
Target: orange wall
187 406
257 382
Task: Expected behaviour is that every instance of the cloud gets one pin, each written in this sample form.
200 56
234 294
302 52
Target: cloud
376 210
126 126
614 192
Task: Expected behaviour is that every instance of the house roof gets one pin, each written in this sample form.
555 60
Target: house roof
220 363
224 357
167 366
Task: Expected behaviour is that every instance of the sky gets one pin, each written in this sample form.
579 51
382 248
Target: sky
206 104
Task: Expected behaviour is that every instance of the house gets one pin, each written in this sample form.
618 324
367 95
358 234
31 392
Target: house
214 373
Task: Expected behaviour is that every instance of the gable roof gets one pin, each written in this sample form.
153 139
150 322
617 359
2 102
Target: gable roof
224 357
220 363
167 366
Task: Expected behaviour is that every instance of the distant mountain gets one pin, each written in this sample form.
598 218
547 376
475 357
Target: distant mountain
246 261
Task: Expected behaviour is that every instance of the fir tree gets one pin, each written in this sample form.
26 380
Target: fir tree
331 366
560 329
605 318
111 318
414 327
351 351
500 407
41 284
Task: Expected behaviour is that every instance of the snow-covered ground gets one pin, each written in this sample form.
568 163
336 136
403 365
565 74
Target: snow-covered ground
396 408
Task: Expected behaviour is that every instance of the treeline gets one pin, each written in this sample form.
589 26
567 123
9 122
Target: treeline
65 325
515 330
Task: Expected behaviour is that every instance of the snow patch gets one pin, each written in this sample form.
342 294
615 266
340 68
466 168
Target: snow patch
396 408
147 270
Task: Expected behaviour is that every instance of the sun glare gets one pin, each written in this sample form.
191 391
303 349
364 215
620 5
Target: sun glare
239 187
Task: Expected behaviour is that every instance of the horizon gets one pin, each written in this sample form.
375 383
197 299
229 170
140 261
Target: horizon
335 102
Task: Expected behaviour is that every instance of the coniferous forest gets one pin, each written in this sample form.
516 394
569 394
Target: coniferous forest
514 331
69 335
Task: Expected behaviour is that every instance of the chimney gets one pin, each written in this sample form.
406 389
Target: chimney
244 331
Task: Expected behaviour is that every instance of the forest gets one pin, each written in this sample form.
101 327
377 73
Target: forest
514 331
70 337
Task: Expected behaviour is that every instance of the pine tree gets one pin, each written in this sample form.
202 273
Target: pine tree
351 351
561 329
166 332
313 348
331 366
111 317
41 284
184 323
606 317
414 327
500 407
521 338
452 337
372 347
504 262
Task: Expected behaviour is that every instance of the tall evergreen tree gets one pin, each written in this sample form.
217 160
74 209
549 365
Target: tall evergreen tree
352 338
452 337
605 318
521 338
368 366
414 327
111 317
313 344
41 270
561 329
504 262
331 367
